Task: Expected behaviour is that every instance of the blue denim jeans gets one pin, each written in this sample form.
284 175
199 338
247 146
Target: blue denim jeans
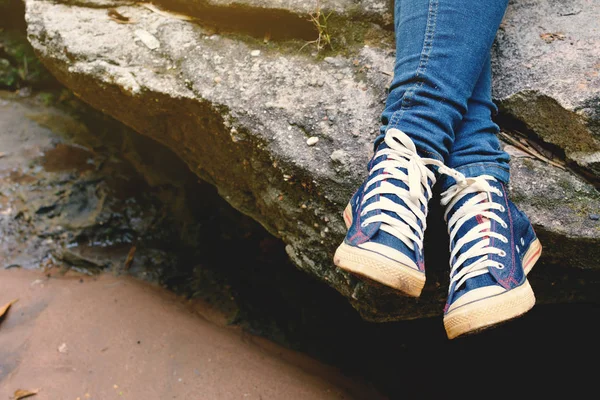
441 92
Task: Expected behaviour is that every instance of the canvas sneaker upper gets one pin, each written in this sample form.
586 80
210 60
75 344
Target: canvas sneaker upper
492 246
386 217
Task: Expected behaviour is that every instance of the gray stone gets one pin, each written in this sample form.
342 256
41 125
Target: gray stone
311 141
547 74
148 39
545 59
247 136
558 203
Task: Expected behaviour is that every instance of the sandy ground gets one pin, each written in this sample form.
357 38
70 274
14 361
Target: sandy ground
107 337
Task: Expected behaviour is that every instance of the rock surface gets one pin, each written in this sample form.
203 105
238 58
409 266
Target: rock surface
547 69
241 121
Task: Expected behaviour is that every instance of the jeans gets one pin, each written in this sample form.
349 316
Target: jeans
441 92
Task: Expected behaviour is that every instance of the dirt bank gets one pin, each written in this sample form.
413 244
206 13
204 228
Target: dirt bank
112 337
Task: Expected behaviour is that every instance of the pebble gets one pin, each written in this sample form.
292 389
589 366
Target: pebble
255 53
594 217
217 79
63 348
148 39
335 61
339 156
311 141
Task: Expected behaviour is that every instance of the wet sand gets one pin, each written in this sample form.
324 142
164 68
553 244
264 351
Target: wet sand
106 337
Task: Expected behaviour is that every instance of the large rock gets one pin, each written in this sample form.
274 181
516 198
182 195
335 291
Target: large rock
547 69
239 112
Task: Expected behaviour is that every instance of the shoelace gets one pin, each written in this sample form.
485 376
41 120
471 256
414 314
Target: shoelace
402 154
480 204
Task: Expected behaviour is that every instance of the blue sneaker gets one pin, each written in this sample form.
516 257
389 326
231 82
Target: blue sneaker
386 217
492 248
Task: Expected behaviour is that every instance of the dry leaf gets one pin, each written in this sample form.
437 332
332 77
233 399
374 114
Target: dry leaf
526 147
5 308
549 37
118 17
130 256
21 394
157 10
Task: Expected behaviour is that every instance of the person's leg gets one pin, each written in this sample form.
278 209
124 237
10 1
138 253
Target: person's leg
441 48
493 244
476 149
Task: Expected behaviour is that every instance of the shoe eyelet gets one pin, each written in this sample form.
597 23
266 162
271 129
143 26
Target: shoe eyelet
502 209
505 240
504 225
363 225
502 253
500 266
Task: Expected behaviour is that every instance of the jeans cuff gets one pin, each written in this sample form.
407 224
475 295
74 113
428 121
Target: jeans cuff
422 153
498 171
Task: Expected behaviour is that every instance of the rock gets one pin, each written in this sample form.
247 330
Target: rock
255 53
547 74
189 114
340 157
147 38
311 141
557 202
63 348
337 61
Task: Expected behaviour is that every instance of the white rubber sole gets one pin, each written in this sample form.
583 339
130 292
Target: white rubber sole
532 255
379 268
487 312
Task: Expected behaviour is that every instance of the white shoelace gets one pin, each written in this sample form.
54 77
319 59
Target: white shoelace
402 154
480 204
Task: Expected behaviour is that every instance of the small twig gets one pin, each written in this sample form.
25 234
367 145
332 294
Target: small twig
157 10
130 256
118 17
527 149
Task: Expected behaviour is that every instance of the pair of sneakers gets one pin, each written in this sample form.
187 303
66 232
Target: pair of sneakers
492 243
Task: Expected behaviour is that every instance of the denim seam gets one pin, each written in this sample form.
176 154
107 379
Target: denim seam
502 174
485 164
423 61
432 155
488 165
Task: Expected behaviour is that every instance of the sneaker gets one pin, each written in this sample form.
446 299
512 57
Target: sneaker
492 248
386 217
